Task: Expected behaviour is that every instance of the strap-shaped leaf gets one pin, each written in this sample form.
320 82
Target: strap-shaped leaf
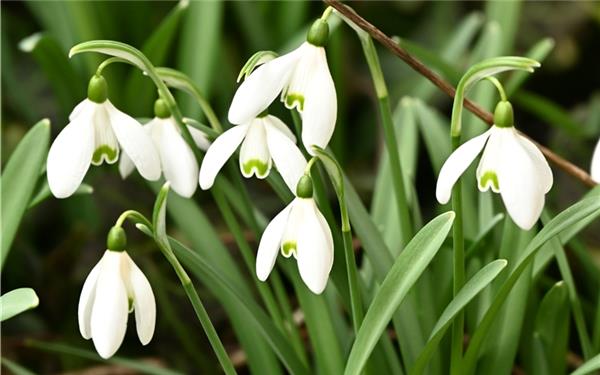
19 178
16 301
407 268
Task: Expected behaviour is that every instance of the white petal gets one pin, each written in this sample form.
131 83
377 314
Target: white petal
261 87
521 193
595 168
218 153
315 248
70 155
289 241
254 153
126 166
456 164
143 301
86 302
109 314
83 106
487 170
135 142
287 156
281 126
106 146
200 138
178 161
544 172
320 106
268 248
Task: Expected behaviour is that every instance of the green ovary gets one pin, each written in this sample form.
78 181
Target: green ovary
106 153
260 168
288 248
291 99
489 178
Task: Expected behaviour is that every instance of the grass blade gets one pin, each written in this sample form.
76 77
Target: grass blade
17 301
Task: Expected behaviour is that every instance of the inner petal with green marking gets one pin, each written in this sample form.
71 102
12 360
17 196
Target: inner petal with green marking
255 158
489 179
288 249
294 100
255 166
105 153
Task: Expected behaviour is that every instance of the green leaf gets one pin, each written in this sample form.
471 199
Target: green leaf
159 216
552 328
434 130
53 60
588 367
139 92
586 208
17 301
465 295
19 179
201 28
136 365
14 367
407 268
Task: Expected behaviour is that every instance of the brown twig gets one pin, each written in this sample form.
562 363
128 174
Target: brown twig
446 87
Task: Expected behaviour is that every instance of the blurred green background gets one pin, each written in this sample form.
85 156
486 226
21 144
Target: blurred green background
59 241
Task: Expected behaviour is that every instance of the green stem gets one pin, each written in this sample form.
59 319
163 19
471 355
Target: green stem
201 313
390 137
136 216
459 271
355 300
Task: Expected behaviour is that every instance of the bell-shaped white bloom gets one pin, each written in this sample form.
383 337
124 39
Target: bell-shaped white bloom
264 140
177 159
302 231
95 134
304 81
114 288
595 169
510 165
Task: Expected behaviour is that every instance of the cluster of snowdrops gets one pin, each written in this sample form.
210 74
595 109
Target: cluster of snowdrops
98 133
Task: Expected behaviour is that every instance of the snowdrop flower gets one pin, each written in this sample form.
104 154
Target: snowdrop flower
264 139
595 169
302 231
303 79
114 288
178 162
511 165
96 132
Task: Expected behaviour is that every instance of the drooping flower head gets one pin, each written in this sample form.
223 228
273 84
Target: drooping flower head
264 139
304 81
114 288
177 160
96 133
510 165
299 230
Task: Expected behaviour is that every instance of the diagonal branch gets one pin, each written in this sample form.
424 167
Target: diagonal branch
447 88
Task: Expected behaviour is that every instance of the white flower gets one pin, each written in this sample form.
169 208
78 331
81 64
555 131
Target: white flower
115 287
302 76
94 135
595 169
302 231
177 159
264 140
511 165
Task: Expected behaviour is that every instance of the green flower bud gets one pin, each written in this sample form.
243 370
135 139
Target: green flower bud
318 34
116 239
97 89
503 115
304 189
161 110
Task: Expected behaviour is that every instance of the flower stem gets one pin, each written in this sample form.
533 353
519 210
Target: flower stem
459 271
201 313
389 135
499 87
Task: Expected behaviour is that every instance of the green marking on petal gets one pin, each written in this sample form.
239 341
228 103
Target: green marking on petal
288 248
489 178
258 167
292 100
105 152
130 304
